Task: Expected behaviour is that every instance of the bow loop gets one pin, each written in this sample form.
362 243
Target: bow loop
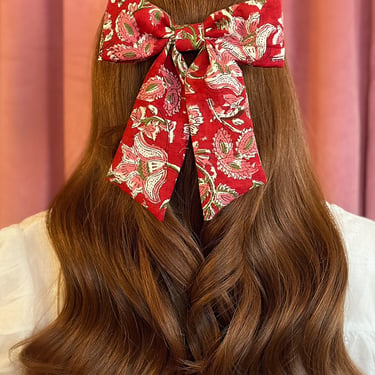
206 102
252 32
189 37
153 20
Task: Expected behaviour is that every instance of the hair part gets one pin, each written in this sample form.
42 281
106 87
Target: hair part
257 290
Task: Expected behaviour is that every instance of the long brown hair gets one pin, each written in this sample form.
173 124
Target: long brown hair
258 290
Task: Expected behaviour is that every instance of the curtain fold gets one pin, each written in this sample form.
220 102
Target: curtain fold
45 56
30 106
79 46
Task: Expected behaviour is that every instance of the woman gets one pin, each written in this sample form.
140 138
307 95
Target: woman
255 286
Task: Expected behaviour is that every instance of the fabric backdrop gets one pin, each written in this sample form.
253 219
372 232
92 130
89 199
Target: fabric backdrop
46 50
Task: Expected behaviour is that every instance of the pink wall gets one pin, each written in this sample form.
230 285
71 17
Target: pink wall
45 96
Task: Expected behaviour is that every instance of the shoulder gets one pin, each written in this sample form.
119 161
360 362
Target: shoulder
28 282
358 234
357 231
31 231
359 238
26 251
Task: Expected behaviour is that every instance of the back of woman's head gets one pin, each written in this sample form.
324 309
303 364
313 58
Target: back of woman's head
259 289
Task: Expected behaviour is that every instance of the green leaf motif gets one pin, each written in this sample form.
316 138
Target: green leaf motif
151 87
224 148
158 16
235 166
249 144
130 54
128 29
226 189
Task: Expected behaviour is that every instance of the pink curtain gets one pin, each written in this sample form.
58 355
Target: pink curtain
332 53
45 59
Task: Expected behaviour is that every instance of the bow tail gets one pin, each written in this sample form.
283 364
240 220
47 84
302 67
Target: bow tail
221 128
152 150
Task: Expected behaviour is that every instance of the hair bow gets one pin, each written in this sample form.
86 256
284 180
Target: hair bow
206 101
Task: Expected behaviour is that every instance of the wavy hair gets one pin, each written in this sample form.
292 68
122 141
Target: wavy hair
258 290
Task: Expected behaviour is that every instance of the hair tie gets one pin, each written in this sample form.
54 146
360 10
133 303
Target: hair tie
206 101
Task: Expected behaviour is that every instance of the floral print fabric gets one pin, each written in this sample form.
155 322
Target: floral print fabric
206 101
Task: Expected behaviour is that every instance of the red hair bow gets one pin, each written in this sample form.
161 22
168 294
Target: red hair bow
206 101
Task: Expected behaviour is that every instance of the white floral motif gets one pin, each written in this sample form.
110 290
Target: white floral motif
172 103
137 115
171 125
107 26
143 168
245 39
262 35
235 165
213 196
127 28
132 7
195 118
149 126
153 89
278 39
224 72
241 28
139 51
107 33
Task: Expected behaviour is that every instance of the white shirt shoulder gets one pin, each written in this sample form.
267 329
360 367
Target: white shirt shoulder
29 274
359 237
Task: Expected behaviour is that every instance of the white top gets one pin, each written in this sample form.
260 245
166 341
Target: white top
29 272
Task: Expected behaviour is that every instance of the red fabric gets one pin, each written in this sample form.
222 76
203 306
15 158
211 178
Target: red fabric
207 101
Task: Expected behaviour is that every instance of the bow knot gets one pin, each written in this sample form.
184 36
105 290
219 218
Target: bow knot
189 37
206 102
